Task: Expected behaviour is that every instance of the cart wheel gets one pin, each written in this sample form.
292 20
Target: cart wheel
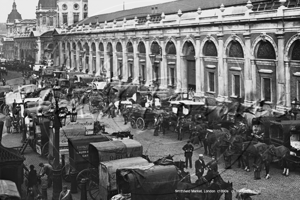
32 144
140 123
133 123
45 150
94 190
2 108
90 174
5 110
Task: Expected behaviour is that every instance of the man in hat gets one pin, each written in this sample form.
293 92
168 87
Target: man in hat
188 153
212 166
200 166
48 170
65 194
257 134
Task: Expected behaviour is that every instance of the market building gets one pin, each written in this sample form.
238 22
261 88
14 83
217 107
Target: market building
34 42
224 49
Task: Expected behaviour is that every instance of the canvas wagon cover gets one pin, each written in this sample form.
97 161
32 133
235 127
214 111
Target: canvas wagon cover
156 182
108 169
8 189
79 149
112 150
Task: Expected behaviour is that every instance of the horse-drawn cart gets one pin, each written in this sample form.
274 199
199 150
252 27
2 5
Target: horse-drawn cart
88 159
107 175
142 117
148 182
286 133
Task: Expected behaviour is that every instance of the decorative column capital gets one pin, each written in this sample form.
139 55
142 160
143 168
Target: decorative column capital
246 35
220 36
280 34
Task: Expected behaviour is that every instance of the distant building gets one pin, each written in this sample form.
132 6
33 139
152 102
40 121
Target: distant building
224 49
37 44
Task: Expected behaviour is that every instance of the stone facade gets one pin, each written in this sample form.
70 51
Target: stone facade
226 53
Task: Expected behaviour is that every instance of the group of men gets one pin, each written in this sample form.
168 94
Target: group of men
200 166
34 179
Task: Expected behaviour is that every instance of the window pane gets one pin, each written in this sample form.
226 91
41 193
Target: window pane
44 20
211 78
120 68
51 21
65 19
172 74
130 70
237 85
76 17
267 89
84 15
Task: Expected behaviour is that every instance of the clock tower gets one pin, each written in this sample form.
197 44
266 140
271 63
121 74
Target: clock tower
71 11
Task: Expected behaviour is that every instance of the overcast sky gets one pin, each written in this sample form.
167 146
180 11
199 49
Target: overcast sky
27 7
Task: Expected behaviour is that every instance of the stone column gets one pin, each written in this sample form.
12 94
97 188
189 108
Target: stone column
178 65
184 76
221 74
254 80
202 71
280 75
107 62
78 57
115 60
67 56
149 65
61 54
198 68
98 67
247 71
91 61
163 67
287 84
39 53
125 63
136 70
72 59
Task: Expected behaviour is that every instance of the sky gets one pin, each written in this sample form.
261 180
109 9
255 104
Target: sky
27 7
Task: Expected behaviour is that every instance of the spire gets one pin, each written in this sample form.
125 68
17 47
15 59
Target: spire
14 5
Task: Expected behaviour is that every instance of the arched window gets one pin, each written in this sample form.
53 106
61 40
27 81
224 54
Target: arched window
170 48
101 47
296 50
141 48
236 50
210 49
129 47
119 47
265 50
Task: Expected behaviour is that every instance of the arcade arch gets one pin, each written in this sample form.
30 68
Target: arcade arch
189 67
171 63
142 62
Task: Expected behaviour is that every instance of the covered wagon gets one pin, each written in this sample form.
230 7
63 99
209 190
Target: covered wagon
107 175
150 182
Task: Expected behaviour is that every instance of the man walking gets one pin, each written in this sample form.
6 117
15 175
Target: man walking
33 181
188 153
48 170
212 166
65 194
200 166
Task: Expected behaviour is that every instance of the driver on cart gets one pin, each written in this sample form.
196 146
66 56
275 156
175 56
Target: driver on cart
257 134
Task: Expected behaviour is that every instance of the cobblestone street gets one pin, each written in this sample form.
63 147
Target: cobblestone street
158 146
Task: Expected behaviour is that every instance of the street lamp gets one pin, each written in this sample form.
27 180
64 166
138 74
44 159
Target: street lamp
58 117
23 95
294 110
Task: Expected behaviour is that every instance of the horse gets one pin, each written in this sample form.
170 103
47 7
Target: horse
198 130
277 154
211 137
163 122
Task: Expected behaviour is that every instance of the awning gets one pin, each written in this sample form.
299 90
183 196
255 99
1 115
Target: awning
8 189
99 85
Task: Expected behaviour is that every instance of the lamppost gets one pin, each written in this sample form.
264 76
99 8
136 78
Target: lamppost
295 104
58 116
23 94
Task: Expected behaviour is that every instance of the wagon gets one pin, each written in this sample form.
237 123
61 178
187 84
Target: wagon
148 182
107 175
141 118
287 133
3 90
105 151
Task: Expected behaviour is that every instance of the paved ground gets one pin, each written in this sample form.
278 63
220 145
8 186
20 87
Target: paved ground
276 188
